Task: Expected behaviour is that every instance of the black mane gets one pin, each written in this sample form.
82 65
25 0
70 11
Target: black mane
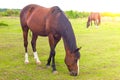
68 34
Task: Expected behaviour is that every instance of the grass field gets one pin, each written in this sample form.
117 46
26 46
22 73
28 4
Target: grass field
100 53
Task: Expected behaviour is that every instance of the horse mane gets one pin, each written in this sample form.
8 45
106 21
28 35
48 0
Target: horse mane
68 36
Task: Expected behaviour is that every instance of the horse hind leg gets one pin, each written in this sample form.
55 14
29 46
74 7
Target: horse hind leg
25 35
33 43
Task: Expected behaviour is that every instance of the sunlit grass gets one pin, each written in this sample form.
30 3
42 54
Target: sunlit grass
100 53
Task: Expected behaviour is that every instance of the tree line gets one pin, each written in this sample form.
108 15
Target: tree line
69 14
9 12
16 12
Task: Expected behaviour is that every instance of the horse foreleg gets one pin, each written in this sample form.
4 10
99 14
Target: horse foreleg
52 52
33 43
91 23
96 23
53 40
49 60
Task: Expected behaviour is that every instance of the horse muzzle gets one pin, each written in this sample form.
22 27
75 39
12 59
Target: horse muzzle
73 73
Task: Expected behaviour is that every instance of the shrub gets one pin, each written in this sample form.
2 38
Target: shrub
9 12
76 14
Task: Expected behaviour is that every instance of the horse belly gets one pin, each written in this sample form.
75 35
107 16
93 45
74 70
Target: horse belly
37 27
39 31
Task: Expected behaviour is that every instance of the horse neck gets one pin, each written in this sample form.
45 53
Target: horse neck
69 39
89 19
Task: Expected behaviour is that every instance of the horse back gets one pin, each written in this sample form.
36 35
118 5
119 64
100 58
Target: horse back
94 16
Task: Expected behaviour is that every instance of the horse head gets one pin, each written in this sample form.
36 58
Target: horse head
88 24
72 61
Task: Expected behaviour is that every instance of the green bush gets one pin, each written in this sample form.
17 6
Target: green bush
9 12
76 14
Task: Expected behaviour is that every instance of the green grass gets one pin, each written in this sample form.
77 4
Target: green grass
100 53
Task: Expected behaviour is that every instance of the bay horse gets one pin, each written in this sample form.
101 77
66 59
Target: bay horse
94 16
53 23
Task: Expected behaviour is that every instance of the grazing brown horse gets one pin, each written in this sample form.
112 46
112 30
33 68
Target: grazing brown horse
53 23
94 16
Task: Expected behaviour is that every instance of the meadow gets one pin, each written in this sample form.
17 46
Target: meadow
100 53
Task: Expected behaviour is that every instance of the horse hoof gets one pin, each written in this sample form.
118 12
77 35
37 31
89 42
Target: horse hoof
26 62
55 72
48 66
38 63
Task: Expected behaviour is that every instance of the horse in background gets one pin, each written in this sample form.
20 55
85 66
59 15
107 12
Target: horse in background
94 16
51 23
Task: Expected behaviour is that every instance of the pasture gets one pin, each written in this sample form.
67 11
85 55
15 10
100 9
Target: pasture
100 53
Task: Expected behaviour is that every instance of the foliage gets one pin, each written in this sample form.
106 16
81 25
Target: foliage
70 14
76 14
9 12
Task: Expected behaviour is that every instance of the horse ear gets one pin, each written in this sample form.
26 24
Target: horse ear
77 49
